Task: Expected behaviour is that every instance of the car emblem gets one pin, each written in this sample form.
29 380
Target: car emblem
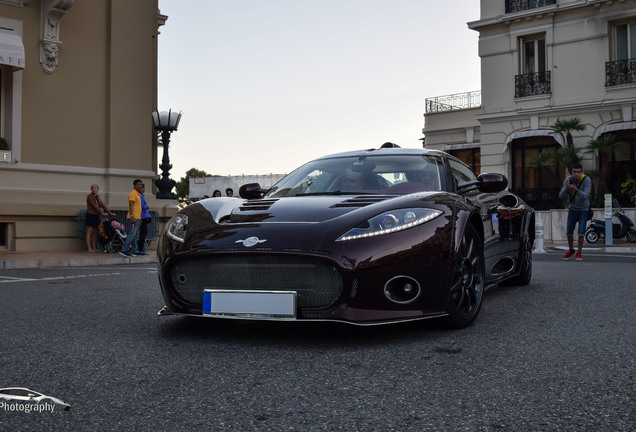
251 241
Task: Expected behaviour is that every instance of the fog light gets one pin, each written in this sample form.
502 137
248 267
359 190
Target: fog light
402 289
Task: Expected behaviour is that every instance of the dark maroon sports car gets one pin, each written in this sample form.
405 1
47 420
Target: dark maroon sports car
363 237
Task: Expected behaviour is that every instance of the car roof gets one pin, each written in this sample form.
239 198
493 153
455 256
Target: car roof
386 151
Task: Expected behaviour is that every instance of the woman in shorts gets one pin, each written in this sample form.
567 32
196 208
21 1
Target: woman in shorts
95 208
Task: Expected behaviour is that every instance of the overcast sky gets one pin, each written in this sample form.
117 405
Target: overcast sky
267 85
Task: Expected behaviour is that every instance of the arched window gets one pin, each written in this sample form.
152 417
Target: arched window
536 180
623 165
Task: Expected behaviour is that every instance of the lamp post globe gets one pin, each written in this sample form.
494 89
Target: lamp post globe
165 122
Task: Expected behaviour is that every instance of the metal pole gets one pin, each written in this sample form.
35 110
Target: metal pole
538 234
165 184
609 232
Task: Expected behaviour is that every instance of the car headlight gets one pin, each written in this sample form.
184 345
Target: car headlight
176 228
390 222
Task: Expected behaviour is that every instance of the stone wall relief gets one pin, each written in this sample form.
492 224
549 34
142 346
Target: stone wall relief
51 14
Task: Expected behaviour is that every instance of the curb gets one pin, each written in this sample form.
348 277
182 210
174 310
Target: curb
12 264
599 249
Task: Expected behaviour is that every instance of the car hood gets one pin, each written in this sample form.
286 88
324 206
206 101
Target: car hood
308 209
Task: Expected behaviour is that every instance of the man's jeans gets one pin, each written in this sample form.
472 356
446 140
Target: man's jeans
133 238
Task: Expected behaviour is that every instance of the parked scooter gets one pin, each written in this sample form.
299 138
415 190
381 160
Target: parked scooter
623 229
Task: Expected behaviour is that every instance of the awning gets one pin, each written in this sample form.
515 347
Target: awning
11 49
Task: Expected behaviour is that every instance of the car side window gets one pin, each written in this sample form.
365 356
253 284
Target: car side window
461 173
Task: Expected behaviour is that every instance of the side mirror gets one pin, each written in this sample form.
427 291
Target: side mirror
251 191
486 183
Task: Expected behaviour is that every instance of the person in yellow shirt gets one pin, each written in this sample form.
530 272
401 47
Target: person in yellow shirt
134 214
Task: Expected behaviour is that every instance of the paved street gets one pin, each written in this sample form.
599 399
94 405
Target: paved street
557 355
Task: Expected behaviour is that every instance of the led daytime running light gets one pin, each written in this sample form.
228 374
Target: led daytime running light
430 216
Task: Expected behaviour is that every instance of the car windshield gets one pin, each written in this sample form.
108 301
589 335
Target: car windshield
387 174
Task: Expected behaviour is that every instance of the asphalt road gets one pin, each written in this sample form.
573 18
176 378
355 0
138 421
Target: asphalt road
557 355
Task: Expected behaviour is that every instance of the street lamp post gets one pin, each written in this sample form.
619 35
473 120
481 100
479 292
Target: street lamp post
165 122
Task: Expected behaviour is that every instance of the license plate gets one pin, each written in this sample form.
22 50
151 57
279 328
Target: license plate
249 304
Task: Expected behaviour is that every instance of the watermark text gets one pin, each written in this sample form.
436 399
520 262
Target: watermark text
27 407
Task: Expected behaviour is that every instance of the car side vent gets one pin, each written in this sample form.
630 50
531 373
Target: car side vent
362 201
257 205
321 251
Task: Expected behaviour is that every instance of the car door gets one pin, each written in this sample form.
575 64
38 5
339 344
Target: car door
501 220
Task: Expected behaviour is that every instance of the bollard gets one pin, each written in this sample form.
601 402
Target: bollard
538 239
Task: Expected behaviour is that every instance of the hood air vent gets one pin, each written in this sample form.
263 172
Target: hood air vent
257 205
362 201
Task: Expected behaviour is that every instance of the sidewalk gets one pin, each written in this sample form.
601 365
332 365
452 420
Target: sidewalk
621 247
30 260
47 259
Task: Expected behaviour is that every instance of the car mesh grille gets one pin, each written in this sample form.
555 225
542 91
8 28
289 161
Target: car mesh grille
316 282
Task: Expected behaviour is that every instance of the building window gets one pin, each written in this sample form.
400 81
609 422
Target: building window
3 234
470 156
622 166
11 65
536 181
622 68
533 54
3 93
534 79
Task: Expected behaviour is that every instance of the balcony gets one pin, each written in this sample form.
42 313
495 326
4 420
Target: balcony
454 102
620 72
524 5
533 84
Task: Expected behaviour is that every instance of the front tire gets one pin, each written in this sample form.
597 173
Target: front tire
631 236
468 282
591 236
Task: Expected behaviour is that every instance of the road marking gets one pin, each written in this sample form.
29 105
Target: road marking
5 279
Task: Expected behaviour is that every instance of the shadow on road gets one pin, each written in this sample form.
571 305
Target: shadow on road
294 333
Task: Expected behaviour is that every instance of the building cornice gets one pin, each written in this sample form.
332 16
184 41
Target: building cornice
537 13
65 169
556 110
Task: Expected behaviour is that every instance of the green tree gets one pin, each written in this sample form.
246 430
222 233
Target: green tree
605 145
567 155
628 187
183 185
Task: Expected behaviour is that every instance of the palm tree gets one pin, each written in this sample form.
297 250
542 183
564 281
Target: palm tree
568 155
606 145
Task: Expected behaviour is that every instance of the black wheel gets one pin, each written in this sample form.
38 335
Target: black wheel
631 236
468 283
524 277
591 236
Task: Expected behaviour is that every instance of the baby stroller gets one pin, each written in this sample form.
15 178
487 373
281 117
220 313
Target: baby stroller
110 234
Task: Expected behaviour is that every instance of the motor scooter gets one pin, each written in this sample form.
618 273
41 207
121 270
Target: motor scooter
623 229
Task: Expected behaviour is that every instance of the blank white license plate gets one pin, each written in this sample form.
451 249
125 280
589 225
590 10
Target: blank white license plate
250 304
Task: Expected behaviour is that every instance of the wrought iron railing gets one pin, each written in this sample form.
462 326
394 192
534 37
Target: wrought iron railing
620 72
454 102
522 5
532 84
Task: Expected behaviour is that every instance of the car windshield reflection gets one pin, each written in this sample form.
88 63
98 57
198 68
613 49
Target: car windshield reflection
390 174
